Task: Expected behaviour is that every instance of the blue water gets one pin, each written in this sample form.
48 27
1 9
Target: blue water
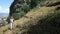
4 14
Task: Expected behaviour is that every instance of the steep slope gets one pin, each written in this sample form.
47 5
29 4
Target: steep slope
40 20
31 18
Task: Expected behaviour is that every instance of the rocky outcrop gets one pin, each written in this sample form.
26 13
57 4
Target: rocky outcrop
19 6
22 6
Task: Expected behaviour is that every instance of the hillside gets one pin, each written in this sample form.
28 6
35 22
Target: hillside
42 19
31 19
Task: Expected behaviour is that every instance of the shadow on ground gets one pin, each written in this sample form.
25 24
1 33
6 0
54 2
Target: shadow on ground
49 25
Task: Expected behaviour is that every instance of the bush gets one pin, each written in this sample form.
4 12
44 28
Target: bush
18 15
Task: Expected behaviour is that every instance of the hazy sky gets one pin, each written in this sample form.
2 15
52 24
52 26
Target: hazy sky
4 5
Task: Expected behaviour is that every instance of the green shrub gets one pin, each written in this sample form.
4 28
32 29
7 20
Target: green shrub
18 15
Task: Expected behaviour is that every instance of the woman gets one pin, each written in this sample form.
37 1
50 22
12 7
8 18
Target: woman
11 22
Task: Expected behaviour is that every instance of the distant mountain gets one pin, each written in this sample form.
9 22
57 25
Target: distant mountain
4 14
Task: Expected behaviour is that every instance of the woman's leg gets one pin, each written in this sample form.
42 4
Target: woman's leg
11 26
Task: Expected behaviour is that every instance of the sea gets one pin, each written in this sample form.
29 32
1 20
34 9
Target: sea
4 14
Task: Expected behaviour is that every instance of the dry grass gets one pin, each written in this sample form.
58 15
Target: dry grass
38 13
31 18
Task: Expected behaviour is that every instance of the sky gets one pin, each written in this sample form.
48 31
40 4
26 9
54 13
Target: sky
4 5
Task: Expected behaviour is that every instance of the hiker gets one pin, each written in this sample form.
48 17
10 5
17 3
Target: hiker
11 22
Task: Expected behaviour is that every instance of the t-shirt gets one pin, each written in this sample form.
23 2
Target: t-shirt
11 20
